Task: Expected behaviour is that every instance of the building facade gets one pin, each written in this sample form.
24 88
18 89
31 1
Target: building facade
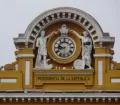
64 57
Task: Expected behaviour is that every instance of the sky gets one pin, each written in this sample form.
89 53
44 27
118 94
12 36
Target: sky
15 16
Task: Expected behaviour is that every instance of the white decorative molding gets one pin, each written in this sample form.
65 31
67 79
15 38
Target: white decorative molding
103 55
79 17
4 99
68 14
23 99
32 35
35 30
91 99
116 99
54 99
25 56
60 95
59 91
16 99
10 99
31 41
27 72
43 22
8 80
16 67
112 66
115 80
103 99
35 99
109 99
100 73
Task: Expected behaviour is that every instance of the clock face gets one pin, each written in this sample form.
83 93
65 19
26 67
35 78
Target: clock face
64 47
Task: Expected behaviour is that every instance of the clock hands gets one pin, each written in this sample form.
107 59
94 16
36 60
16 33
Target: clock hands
61 47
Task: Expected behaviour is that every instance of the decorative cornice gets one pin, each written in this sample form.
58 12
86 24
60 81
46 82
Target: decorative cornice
25 56
60 97
103 55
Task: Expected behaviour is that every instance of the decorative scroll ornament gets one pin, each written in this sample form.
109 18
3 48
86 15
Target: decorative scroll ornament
64 30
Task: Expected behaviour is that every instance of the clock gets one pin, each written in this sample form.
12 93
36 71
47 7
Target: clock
64 47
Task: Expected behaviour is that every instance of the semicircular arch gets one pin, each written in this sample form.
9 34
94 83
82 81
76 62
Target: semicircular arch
63 14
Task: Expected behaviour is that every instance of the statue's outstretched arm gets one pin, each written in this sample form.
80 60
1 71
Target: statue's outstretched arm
81 37
54 32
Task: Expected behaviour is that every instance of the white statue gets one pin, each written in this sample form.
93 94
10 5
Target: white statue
86 50
41 60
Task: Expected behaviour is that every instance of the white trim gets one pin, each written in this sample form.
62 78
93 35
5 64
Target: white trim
103 55
68 10
4 80
100 73
59 91
25 56
115 80
60 95
16 67
27 72
112 66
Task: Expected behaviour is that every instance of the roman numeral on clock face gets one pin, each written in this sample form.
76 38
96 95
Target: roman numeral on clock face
69 41
58 53
70 51
62 40
66 40
56 49
56 45
66 55
58 42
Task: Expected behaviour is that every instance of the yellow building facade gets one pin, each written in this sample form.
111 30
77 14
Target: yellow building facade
64 57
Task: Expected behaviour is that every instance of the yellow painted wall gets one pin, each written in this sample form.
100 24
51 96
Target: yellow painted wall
11 75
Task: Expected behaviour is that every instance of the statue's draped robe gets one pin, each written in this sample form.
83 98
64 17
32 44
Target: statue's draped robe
42 50
86 50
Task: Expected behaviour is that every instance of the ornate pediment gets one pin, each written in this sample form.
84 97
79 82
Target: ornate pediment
63 49
63 14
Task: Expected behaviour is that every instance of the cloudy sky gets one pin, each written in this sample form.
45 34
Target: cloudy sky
15 16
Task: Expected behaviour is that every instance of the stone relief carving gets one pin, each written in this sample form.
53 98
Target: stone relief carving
64 30
41 60
86 51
